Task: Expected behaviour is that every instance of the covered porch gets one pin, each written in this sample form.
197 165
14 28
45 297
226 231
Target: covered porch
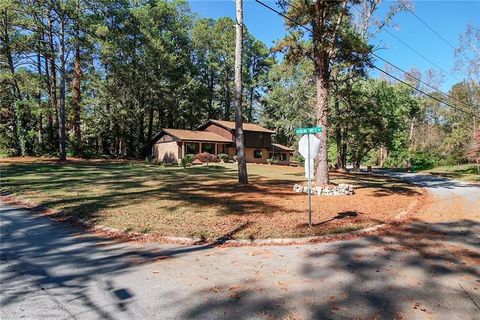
280 153
195 147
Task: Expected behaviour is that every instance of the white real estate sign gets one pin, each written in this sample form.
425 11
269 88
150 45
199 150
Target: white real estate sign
308 147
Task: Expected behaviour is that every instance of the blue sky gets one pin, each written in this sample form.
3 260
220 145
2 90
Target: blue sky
449 18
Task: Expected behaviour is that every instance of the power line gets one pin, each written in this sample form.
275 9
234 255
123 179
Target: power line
410 47
423 92
418 79
437 33
374 66
409 74
427 25
414 50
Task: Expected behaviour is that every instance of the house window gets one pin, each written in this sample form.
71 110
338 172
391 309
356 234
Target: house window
208 147
191 148
260 139
278 156
258 154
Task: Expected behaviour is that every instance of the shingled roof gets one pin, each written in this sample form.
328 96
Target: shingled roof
191 135
282 147
230 125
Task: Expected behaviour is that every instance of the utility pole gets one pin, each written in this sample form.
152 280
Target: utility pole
239 134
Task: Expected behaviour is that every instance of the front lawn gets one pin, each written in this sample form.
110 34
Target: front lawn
465 172
202 201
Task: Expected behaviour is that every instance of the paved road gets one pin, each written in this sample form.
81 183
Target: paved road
451 200
423 271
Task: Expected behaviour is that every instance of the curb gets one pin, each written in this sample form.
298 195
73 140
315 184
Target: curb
117 234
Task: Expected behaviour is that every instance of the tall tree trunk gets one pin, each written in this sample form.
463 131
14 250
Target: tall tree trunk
150 124
239 134
141 137
250 108
76 87
16 88
226 115
53 82
344 146
61 126
321 58
321 108
410 145
338 137
39 94
211 91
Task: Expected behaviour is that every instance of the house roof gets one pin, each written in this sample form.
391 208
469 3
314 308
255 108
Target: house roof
282 147
230 125
192 135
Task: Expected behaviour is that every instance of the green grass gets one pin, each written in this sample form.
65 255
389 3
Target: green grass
465 172
200 201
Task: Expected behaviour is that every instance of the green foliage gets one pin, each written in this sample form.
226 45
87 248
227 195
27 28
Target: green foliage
290 100
272 161
189 157
423 161
223 156
144 65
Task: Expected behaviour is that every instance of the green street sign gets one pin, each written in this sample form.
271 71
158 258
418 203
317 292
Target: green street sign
308 130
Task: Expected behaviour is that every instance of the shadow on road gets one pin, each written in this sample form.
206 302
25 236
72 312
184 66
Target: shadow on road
33 247
429 269
418 271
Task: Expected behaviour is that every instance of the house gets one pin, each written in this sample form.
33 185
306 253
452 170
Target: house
215 137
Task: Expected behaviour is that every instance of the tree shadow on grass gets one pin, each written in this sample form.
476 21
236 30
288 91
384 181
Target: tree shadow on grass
85 190
418 271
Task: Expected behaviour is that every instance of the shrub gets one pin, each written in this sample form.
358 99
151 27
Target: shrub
272 161
206 157
187 160
222 156
299 158
189 157
423 161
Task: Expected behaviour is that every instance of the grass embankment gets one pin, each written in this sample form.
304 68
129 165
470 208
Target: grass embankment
202 201
465 172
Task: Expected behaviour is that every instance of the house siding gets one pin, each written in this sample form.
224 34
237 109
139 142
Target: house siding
168 149
257 139
220 131
168 152
249 155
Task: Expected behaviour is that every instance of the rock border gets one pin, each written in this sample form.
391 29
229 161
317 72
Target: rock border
117 234
342 189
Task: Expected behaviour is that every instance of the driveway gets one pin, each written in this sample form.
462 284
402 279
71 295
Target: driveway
451 200
425 270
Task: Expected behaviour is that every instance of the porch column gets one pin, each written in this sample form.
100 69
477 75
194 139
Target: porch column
183 149
199 147
216 148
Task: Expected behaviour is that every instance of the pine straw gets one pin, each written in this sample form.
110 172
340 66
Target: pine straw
203 202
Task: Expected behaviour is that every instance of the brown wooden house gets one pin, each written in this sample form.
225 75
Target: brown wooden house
215 137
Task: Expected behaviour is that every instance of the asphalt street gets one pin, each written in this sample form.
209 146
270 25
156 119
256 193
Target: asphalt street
51 270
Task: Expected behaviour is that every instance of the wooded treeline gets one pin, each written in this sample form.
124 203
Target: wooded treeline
112 73
108 74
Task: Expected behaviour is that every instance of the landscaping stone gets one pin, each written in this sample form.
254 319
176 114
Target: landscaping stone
340 190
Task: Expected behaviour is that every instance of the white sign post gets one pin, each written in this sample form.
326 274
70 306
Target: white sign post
308 147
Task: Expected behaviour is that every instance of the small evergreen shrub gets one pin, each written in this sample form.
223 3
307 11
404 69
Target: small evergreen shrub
222 156
189 157
272 161
423 161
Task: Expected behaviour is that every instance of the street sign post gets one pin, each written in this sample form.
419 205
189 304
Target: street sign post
308 130
308 147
